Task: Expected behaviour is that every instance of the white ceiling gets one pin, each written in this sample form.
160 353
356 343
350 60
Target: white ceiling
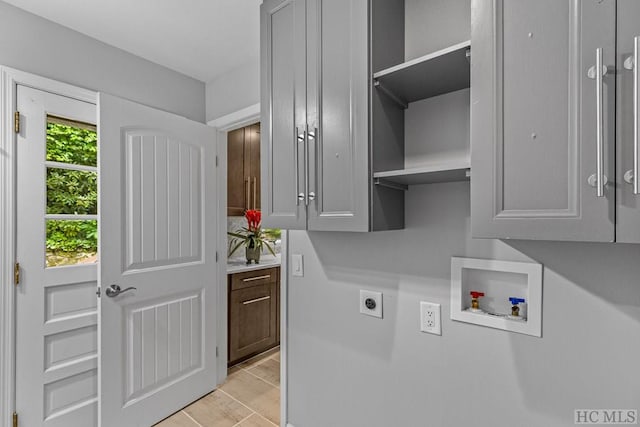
200 38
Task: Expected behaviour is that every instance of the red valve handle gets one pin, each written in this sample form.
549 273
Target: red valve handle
476 294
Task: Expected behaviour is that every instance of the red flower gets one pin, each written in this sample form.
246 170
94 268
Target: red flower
254 218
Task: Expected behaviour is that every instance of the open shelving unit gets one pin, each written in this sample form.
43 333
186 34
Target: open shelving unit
419 106
437 73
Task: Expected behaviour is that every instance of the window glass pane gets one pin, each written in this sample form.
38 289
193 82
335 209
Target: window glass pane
70 142
71 242
72 192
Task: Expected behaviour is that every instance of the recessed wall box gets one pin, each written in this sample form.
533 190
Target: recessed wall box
505 285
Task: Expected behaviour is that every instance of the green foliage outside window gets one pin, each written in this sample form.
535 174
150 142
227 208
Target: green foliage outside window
71 192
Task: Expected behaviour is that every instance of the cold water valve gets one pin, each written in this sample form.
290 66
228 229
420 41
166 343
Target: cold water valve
475 303
515 307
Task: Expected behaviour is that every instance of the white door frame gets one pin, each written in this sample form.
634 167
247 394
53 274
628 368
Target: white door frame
224 125
9 80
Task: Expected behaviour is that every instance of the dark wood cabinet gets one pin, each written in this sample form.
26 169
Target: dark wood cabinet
243 170
254 313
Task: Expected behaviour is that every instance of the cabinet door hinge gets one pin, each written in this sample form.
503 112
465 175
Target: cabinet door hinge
217 352
16 122
217 256
16 274
15 419
216 161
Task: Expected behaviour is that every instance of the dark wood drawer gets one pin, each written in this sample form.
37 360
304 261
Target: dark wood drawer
254 278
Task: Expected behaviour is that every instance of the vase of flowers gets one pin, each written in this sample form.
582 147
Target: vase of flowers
252 237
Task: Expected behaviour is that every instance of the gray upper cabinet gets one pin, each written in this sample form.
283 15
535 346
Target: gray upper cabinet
543 119
283 112
315 109
628 197
337 114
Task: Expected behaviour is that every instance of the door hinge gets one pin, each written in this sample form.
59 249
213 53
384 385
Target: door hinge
15 419
16 274
16 122
216 161
216 256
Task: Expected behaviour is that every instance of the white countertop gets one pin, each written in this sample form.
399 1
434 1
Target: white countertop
239 265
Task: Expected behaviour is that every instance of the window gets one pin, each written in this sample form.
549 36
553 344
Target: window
72 193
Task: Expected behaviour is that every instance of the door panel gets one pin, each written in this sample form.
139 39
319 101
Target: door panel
237 201
253 142
338 108
56 306
628 203
157 342
534 119
283 113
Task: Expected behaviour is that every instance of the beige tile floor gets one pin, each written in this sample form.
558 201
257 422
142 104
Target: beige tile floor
249 398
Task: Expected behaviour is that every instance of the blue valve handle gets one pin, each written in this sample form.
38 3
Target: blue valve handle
516 301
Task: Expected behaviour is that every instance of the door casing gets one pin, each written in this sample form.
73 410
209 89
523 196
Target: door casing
224 125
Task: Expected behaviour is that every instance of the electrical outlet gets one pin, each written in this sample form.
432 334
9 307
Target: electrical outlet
430 318
371 303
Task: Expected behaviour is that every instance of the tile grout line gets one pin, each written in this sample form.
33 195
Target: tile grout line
262 379
244 419
246 406
191 418
233 398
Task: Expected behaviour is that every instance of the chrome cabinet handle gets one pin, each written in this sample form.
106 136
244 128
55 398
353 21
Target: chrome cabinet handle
251 279
631 63
115 290
300 137
306 162
256 300
248 200
598 72
255 193
311 191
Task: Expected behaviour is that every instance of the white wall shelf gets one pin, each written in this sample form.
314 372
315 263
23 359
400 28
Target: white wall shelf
437 73
499 281
450 171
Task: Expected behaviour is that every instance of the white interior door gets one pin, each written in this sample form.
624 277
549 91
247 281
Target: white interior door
158 234
56 303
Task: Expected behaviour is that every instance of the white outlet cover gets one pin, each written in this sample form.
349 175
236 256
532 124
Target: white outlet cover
377 297
430 320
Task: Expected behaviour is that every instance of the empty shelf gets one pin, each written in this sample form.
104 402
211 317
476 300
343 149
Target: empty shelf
445 172
444 71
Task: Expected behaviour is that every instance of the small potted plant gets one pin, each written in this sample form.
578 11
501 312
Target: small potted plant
252 237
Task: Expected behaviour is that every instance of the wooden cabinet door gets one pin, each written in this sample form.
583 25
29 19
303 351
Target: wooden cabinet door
533 119
338 114
237 201
253 313
628 152
252 144
283 108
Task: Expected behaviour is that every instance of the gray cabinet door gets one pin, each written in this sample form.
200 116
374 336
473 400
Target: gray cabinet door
283 74
337 109
628 203
533 119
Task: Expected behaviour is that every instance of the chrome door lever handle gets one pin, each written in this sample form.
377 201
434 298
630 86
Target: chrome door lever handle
115 290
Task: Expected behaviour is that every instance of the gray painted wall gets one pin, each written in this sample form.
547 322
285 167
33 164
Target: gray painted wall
346 369
36 45
233 91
